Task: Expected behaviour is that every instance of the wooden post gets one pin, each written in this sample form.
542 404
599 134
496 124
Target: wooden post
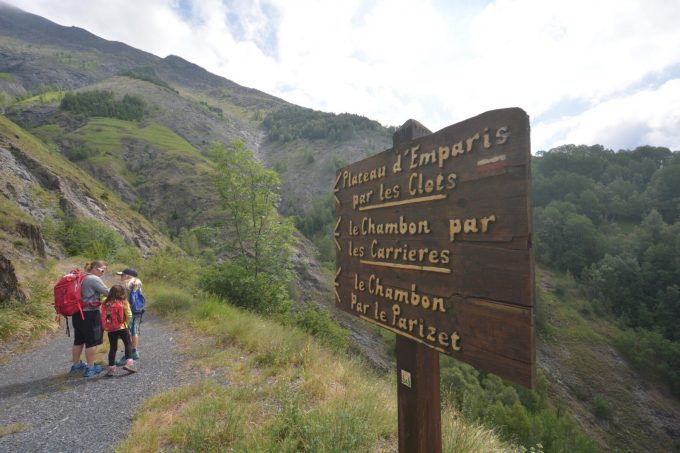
418 392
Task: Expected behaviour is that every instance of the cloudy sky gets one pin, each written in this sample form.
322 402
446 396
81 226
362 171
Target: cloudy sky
587 72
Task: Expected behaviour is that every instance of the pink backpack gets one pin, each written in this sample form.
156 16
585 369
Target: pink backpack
113 316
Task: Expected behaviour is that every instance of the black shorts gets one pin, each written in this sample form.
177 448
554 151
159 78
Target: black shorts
87 331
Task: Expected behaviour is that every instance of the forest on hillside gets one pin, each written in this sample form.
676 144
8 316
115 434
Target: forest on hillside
290 123
611 220
103 103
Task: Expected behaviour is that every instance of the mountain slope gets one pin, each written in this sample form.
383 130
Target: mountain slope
38 55
40 186
71 57
615 404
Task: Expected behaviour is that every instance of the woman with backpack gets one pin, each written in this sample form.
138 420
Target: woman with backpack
87 326
116 316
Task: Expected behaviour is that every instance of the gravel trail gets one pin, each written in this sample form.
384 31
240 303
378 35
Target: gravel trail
62 412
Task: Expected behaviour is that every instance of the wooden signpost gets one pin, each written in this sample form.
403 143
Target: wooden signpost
433 242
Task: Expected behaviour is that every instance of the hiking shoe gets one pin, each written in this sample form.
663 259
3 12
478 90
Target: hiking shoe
121 361
135 355
112 371
130 367
90 372
80 366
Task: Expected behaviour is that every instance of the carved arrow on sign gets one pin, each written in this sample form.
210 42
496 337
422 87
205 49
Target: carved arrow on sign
336 190
336 284
337 234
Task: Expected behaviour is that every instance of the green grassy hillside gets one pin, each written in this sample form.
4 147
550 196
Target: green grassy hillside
169 180
179 126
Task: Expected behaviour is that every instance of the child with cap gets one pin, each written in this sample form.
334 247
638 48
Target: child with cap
131 282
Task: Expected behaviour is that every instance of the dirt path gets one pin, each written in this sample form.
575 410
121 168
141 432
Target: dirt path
57 411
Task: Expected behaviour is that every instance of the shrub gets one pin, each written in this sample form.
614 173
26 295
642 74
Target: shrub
460 382
128 255
522 415
602 408
653 354
181 271
335 162
89 238
320 324
81 152
246 289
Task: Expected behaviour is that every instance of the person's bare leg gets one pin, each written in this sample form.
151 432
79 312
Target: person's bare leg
133 341
76 352
90 355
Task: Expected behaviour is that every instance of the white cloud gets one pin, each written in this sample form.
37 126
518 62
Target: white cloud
648 116
429 60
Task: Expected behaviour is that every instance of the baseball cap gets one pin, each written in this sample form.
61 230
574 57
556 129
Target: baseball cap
128 271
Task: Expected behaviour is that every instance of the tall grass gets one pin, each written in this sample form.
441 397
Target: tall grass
25 319
6 430
462 436
272 389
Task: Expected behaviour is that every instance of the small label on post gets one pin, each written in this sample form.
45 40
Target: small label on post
406 378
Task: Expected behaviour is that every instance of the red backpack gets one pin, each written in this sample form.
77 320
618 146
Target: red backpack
113 316
67 301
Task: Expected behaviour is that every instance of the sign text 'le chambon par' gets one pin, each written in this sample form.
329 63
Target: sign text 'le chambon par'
433 242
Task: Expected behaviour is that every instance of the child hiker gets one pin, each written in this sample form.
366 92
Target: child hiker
116 315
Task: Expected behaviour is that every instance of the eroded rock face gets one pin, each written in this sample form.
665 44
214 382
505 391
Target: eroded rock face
34 236
9 286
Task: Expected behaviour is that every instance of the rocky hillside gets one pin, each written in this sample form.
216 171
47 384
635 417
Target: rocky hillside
619 407
39 185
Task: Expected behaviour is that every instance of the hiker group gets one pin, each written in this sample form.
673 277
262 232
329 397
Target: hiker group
79 295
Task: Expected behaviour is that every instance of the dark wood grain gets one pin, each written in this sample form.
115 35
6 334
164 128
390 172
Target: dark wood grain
419 407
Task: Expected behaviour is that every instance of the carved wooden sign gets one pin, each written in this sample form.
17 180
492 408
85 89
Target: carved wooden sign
433 242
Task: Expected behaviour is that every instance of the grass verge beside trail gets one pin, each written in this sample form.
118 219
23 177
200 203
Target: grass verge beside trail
22 321
269 388
6 430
